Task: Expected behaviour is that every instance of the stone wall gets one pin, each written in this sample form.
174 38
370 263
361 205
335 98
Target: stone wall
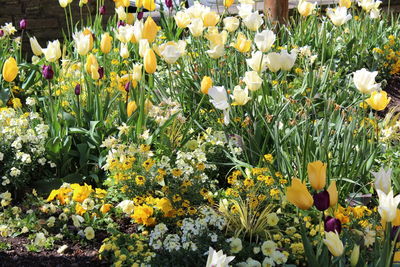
46 19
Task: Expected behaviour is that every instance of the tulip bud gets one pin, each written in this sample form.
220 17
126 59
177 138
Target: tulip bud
150 61
10 70
378 100
149 5
321 200
168 3
127 87
228 3
355 254
35 46
150 30
1 33
333 194
102 10
140 15
332 224
77 89
317 174
23 24
95 73
131 108
47 72
206 84
106 43
101 72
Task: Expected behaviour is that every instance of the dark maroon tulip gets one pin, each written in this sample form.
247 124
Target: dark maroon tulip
77 89
22 24
140 15
332 224
1 33
168 3
101 72
394 232
121 23
128 87
321 200
102 10
47 72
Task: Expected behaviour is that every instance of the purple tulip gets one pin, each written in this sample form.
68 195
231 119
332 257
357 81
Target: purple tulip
22 24
102 10
101 72
394 232
140 15
169 3
1 33
332 224
321 200
77 89
121 23
47 72
127 87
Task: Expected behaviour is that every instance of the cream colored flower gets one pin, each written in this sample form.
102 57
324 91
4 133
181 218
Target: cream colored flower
240 96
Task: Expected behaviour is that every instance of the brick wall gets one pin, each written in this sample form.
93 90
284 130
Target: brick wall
46 19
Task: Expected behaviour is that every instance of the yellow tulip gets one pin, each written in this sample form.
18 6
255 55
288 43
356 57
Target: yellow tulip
10 70
334 244
378 100
242 44
333 194
88 32
150 30
91 61
149 5
106 43
210 19
206 84
298 195
228 3
130 18
305 8
150 61
132 107
317 174
345 3
355 255
95 72
182 19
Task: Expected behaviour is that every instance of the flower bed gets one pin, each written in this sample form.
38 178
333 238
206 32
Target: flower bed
203 139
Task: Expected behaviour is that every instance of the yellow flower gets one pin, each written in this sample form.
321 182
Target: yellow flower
142 215
105 208
91 61
334 243
140 180
16 103
150 30
228 3
79 209
317 174
269 158
345 3
166 207
106 43
182 19
150 61
81 192
242 44
378 100
210 19
10 69
305 8
149 5
333 194
206 84
298 195
132 107
248 182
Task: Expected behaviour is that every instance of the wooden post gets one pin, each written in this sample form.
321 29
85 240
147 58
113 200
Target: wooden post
277 10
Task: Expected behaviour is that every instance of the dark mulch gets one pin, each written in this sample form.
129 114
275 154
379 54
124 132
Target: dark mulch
74 255
393 90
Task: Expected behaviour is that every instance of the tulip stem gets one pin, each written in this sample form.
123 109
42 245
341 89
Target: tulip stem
79 110
66 19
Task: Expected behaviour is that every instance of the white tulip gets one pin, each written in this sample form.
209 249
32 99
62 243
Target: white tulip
121 13
82 43
338 15
171 53
143 46
138 30
274 61
216 51
124 52
252 80
35 46
364 81
125 33
253 21
219 98
368 5
257 62
388 205
383 180
264 40
218 259
196 27
374 13
245 10
231 24
288 60
240 96
53 51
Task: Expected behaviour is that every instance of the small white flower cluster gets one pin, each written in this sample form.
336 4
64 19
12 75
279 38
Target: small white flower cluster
165 110
8 30
23 137
190 231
